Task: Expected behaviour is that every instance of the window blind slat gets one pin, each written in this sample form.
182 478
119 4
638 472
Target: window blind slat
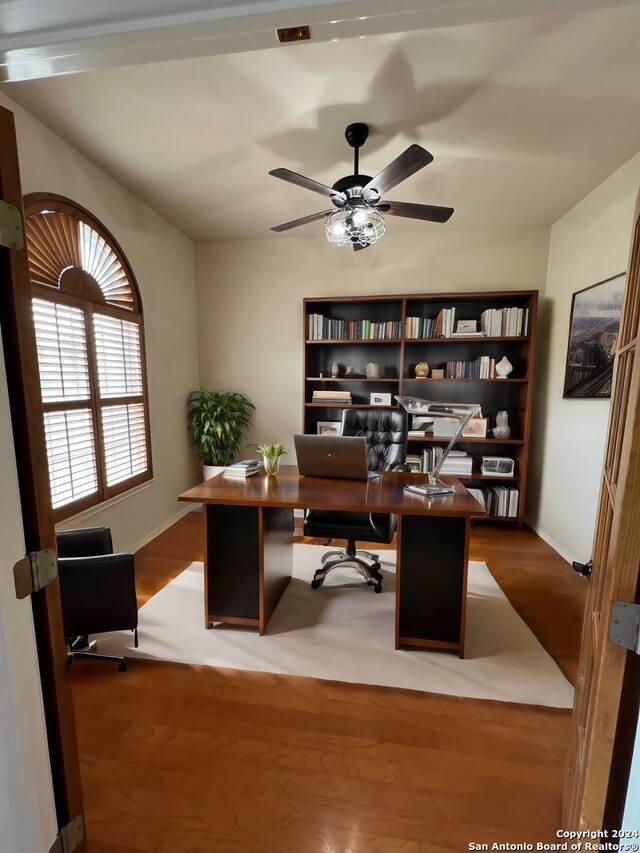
118 356
125 442
71 455
62 351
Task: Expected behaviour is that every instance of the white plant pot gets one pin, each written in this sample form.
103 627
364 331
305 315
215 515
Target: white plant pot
209 471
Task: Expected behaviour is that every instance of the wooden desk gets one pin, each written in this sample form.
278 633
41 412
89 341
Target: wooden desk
249 553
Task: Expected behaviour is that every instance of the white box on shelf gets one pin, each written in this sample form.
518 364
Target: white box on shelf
497 466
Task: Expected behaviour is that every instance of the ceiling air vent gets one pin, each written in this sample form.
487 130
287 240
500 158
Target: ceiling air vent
287 34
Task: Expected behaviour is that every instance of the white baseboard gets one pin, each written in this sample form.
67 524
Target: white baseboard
551 542
152 535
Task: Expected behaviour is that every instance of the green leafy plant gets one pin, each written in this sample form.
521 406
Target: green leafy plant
217 421
271 451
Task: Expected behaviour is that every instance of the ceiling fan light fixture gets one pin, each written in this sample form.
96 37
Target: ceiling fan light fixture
354 225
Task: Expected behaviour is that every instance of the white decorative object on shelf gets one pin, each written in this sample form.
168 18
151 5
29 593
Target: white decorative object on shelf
503 367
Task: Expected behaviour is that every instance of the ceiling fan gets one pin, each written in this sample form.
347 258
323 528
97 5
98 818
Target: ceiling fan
357 218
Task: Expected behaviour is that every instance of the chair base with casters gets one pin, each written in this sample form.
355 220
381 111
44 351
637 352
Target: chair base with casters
350 557
84 649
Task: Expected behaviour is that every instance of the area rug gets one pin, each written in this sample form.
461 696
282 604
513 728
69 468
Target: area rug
345 632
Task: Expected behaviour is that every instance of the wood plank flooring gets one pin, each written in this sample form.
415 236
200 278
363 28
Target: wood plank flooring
193 759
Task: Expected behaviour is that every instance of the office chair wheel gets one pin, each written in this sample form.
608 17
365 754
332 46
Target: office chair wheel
316 584
377 587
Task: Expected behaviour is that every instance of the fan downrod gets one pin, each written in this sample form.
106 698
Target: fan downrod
356 134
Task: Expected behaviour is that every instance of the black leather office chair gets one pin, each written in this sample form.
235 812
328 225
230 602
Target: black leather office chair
385 430
97 589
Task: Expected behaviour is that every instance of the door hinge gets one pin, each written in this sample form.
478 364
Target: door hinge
624 625
11 233
34 571
70 836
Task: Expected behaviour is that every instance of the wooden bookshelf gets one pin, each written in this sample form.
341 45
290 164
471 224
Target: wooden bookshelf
398 356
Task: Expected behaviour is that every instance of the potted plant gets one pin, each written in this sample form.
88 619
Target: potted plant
271 454
217 421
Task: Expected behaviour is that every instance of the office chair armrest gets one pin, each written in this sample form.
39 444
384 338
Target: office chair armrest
84 542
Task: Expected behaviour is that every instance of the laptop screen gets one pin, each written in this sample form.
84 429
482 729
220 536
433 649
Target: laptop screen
343 457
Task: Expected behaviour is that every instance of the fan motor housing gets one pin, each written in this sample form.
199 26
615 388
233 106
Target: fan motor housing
351 186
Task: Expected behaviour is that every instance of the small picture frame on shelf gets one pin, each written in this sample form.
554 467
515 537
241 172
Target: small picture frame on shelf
437 373
476 428
413 462
329 427
380 399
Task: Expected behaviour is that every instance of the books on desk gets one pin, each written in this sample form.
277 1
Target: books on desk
244 469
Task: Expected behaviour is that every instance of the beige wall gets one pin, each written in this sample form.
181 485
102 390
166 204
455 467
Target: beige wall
588 244
163 262
250 295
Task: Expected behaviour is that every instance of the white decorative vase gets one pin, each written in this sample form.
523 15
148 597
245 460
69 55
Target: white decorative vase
503 368
209 471
271 464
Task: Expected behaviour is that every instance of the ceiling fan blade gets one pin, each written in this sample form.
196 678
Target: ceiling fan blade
313 217
428 212
306 183
410 161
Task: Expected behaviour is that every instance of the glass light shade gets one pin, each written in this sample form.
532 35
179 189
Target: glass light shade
460 414
349 225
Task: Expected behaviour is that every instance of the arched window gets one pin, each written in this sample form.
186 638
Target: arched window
90 339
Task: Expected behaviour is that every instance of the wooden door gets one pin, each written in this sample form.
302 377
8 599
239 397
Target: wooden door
28 430
616 556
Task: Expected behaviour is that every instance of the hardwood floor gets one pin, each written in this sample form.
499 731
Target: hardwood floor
191 759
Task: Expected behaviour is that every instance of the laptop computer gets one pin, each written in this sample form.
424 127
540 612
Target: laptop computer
343 457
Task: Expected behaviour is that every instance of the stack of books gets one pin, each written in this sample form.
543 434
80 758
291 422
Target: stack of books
419 327
342 397
320 328
483 367
444 322
244 469
458 465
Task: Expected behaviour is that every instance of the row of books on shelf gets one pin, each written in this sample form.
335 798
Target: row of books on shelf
343 397
242 470
498 501
458 463
494 322
483 367
504 322
321 328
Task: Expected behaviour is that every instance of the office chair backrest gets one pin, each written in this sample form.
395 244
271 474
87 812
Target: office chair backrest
385 431
85 542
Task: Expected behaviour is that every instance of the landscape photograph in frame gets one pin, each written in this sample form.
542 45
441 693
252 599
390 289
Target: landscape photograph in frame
593 336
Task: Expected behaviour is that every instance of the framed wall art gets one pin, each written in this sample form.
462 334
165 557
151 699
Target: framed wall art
329 427
593 335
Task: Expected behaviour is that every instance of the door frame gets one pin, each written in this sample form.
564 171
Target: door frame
37 516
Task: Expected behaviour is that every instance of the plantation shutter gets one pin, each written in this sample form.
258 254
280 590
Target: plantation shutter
119 364
65 385
89 334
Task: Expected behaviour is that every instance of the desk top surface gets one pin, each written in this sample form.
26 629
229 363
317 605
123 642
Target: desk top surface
289 489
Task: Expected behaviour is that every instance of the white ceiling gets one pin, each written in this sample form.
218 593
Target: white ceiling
523 116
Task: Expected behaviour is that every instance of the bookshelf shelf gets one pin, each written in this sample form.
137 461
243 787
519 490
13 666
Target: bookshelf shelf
513 394
347 379
452 379
488 440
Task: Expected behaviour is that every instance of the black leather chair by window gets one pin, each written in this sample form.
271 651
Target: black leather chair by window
385 430
97 589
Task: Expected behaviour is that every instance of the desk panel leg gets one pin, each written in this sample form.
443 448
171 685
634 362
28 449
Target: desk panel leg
432 582
232 565
276 534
